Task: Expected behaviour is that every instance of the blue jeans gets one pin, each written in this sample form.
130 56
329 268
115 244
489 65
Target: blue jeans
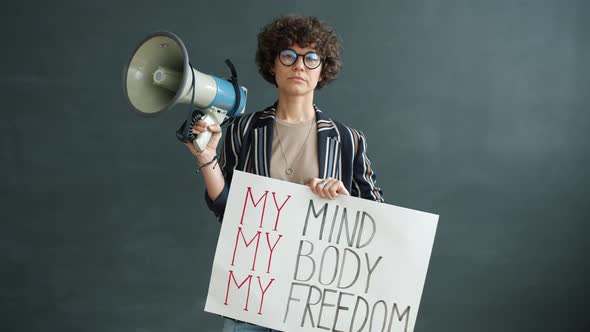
230 325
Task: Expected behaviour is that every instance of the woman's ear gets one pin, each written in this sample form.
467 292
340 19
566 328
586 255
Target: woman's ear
271 69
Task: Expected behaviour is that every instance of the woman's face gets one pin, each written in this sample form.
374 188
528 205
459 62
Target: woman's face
297 79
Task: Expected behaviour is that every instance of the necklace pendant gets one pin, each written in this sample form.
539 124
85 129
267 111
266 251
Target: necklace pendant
289 171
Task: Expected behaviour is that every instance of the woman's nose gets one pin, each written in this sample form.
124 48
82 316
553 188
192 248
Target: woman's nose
299 63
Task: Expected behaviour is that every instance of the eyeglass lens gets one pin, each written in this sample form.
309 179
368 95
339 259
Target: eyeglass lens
311 59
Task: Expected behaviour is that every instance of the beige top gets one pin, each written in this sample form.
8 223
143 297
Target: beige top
302 159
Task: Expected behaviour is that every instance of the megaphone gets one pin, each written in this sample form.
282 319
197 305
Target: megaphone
159 75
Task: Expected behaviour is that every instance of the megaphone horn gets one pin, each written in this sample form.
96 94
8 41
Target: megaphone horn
158 76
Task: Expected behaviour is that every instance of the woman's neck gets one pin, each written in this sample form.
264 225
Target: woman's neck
295 109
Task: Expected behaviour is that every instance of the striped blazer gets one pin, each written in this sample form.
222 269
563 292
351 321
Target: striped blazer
342 154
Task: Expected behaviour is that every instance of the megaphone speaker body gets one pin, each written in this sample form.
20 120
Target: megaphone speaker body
159 76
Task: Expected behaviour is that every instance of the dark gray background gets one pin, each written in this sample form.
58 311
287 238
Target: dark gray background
474 110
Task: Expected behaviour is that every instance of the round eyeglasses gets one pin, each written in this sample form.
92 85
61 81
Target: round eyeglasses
311 60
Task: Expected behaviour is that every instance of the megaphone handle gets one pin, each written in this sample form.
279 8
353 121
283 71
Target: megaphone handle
203 138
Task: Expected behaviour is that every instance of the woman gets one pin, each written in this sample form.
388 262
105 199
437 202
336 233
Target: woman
291 140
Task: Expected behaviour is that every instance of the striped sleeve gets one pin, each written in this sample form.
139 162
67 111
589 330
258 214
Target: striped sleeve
364 180
227 161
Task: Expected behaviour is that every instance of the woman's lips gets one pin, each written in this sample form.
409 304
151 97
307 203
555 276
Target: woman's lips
297 78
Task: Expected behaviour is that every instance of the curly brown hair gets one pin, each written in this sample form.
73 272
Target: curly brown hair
285 31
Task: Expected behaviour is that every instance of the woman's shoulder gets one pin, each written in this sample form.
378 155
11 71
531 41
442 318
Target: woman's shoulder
246 121
350 137
346 128
340 127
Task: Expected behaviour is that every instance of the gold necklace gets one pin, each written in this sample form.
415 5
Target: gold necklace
290 170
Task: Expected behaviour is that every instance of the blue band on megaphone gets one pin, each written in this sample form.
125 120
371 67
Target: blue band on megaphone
225 98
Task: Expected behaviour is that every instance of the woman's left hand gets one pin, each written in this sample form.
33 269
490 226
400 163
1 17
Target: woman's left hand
329 188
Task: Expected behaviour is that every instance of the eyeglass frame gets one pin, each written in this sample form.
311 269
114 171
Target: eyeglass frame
297 55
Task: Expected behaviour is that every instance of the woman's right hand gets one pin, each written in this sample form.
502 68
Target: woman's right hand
213 176
211 149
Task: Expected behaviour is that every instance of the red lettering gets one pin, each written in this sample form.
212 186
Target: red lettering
257 237
278 208
263 292
249 193
232 277
271 248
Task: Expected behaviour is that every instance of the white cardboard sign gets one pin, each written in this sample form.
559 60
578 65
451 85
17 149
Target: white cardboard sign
291 261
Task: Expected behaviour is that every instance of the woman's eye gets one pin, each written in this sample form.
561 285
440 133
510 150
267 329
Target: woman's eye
288 55
313 57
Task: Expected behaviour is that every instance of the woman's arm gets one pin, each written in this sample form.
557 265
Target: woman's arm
214 180
216 177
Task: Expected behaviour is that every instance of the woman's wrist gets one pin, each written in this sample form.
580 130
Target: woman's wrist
213 162
205 156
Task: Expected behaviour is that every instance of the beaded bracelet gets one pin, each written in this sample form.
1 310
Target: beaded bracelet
208 163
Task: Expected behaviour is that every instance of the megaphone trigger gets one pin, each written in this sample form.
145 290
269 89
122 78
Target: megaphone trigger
181 133
184 133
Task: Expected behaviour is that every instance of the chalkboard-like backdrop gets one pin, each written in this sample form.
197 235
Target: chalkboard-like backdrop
474 110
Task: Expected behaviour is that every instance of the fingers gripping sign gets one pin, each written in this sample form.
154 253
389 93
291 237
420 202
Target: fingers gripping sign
328 188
